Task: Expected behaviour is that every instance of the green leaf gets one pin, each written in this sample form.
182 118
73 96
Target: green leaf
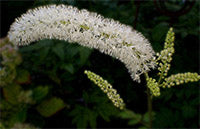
146 117
86 97
20 116
53 76
23 76
11 92
84 54
92 119
50 107
39 45
128 114
188 111
40 92
159 31
82 122
83 116
71 50
142 127
59 50
133 121
104 116
44 52
68 67
79 118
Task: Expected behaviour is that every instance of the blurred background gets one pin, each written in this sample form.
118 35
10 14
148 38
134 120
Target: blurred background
52 70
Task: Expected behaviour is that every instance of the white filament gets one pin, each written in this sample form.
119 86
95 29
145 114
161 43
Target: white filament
87 29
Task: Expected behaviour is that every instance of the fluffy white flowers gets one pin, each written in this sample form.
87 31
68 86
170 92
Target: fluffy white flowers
87 29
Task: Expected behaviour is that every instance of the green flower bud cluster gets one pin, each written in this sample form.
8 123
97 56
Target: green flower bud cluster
153 86
106 88
180 78
165 56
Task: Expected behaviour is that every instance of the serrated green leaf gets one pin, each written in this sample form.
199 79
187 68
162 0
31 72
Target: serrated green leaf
53 76
20 116
146 116
128 114
39 45
11 92
44 53
142 127
71 50
188 111
79 119
23 76
86 97
104 116
92 119
40 92
59 50
84 54
133 121
83 116
82 123
50 107
68 67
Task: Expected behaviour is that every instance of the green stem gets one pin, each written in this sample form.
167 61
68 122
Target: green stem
160 78
149 103
149 107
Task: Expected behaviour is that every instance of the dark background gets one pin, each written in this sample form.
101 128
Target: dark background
177 107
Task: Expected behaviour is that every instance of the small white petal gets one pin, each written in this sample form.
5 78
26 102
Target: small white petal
87 29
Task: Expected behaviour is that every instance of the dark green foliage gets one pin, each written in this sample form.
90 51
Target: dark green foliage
23 76
136 119
52 68
133 117
96 104
49 107
40 92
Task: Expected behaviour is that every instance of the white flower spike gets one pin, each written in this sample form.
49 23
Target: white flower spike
87 29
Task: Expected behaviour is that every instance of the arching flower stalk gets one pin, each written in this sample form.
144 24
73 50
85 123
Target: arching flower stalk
87 29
